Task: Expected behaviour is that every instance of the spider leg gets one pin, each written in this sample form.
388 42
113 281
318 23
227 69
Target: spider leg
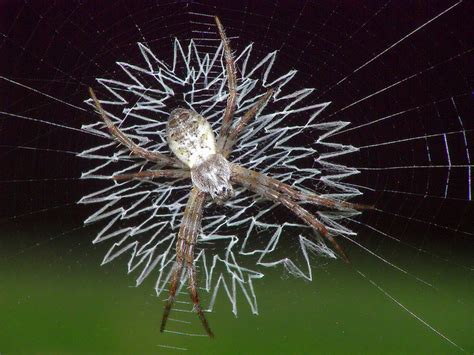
231 84
151 174
187 237
253 183
175 278
193 291
126 141
235 132
295 194
191 239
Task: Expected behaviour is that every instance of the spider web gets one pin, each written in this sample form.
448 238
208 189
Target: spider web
152 212
406 91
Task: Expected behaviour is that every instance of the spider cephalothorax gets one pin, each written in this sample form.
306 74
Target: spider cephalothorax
199 156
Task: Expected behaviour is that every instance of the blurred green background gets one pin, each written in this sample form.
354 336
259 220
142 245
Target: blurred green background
55 298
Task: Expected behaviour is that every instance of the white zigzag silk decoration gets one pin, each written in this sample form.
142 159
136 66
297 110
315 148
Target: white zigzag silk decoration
238 240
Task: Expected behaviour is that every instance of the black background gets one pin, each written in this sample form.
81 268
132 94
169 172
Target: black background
347 50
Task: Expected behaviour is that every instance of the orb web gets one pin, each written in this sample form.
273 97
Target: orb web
142 218
401 75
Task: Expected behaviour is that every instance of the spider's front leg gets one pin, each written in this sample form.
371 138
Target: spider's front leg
193 291
254 181
187 237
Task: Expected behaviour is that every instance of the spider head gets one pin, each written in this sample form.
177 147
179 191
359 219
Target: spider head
223 194
213 176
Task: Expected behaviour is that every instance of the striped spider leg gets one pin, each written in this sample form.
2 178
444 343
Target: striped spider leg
135 149
231 85
186 241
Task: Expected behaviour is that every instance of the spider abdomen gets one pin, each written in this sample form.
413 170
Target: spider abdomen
190 137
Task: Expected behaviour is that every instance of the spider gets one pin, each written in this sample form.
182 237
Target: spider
203 158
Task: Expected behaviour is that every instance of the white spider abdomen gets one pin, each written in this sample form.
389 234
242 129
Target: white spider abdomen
190 137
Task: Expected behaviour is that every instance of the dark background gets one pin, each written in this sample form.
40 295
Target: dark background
367 58
60 48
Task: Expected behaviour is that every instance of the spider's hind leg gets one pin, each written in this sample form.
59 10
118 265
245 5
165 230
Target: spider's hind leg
228 144
231 85
135 149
